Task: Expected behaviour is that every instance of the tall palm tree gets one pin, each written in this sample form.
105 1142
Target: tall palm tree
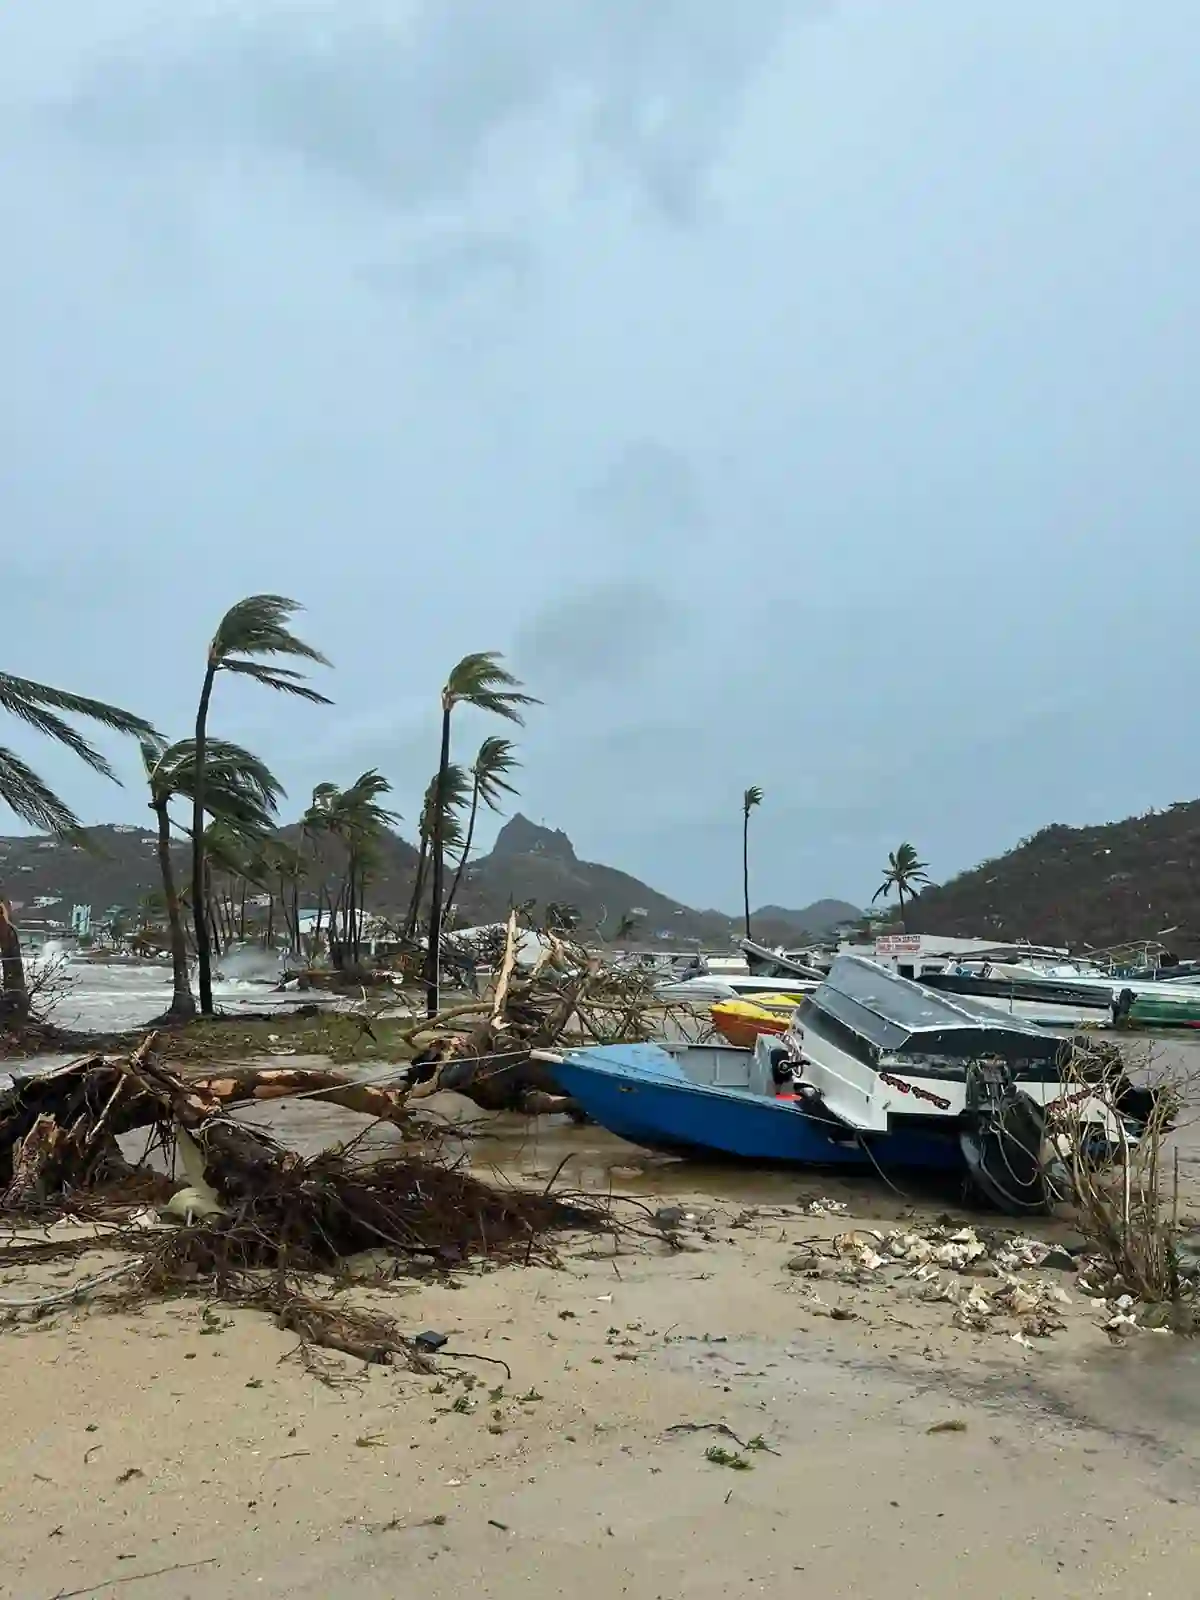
45 709
478 680
904 873
495 759
250 634
239 792
752 798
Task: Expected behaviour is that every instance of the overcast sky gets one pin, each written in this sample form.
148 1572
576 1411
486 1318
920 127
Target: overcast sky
801 394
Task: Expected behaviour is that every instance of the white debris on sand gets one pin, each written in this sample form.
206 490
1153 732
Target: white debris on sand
946 1265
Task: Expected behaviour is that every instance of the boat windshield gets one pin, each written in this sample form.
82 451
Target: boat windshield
894 1015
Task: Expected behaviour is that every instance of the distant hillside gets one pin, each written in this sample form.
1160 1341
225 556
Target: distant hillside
1095 886
778 925
529 862
121 867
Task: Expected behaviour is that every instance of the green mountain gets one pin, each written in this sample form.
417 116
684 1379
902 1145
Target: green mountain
1090 887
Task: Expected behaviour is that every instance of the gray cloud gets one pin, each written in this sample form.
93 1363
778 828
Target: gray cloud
447 269
412 109
785 409
599 635
648 491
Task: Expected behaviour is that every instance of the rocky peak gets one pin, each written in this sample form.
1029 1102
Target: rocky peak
520 837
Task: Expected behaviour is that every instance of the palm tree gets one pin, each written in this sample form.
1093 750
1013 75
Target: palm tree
904 872
753 797
240 793
496 758
30 798
355 817
478 680
253 629
455 788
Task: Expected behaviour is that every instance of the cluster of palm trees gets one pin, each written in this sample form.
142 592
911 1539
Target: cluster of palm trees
233 799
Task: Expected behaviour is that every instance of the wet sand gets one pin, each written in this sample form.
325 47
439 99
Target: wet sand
141 1442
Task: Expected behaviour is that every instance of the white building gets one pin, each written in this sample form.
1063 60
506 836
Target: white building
913 954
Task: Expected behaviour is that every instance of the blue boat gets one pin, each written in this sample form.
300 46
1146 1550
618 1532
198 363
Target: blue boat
715 1098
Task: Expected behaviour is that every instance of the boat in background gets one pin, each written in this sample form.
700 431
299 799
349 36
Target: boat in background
741 1022
1050 1002
1159 1008
704 988
764 963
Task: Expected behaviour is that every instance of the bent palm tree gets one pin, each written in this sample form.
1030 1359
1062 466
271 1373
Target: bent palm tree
45 709
478 680
903 873
239 791
753 797
249 635
496 758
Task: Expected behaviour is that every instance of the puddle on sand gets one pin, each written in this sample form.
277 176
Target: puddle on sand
530 1151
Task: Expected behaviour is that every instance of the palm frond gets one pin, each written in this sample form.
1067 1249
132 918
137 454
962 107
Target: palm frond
495 758
38 705
456 793
752 797
235 779
25 794
72 705
279 678
258 626
480 680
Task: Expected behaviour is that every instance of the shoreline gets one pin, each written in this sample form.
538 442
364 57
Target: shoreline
173 1435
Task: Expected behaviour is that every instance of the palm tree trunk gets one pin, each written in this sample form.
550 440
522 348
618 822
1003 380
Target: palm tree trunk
199 900
433 954
14 991
900 892
414 907
183 1005
746 867
466 847
352 907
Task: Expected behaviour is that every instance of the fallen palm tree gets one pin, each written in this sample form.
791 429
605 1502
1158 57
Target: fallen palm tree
484 1048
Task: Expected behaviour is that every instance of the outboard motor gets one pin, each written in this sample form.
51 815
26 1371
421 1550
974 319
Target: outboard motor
1002 1138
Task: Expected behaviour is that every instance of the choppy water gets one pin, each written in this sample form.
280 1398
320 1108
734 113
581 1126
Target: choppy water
111 999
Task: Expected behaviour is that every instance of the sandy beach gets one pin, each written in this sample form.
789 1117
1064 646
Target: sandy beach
177 1452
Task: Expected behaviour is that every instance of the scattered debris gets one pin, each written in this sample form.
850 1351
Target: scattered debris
715 1427
952 1425
258 1218
721 1457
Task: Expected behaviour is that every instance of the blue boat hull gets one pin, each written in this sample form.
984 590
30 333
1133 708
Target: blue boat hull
640 1093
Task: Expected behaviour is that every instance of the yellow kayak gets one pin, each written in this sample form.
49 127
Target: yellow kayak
741 1021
